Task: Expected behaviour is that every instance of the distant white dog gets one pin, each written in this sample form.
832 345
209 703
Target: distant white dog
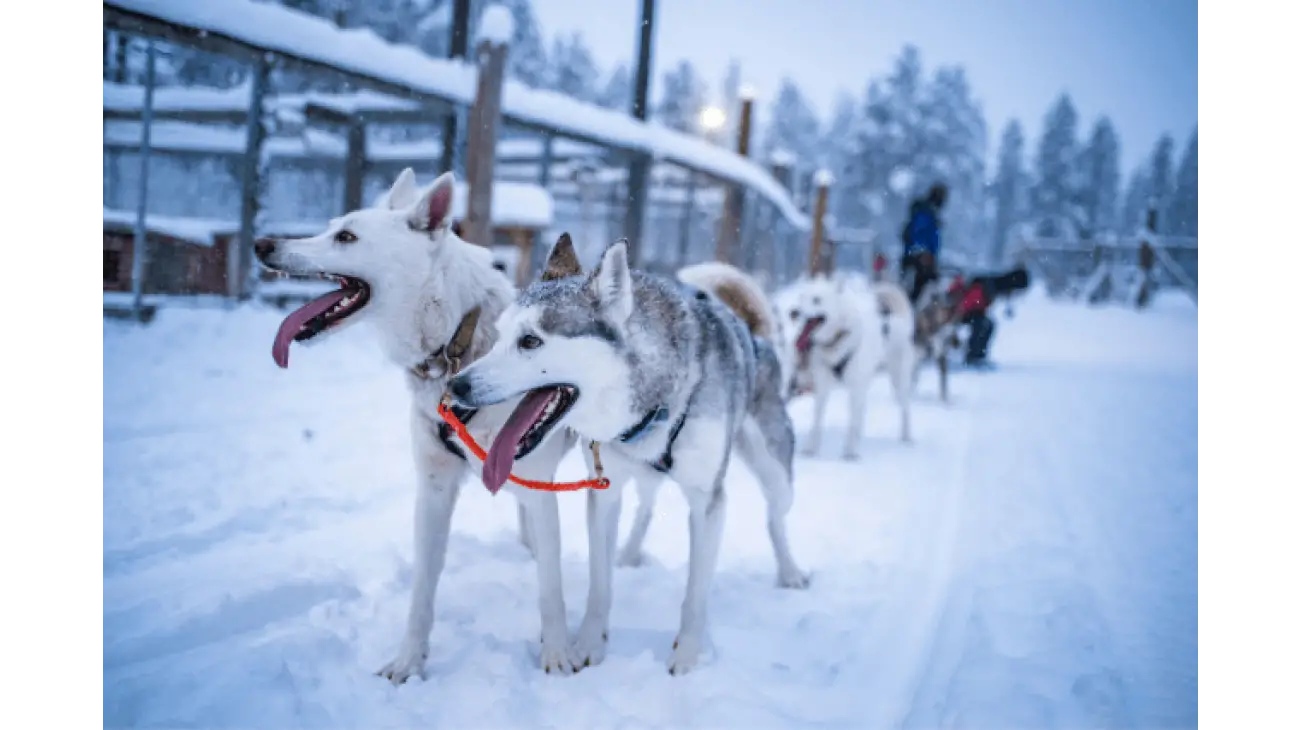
848 330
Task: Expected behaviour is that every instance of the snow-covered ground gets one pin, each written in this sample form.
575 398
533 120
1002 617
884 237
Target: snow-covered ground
1029 562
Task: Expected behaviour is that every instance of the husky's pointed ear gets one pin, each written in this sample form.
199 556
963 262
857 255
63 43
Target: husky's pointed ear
402 194
433 208
612 283
562 261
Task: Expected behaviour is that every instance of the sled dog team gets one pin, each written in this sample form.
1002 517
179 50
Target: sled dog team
654 378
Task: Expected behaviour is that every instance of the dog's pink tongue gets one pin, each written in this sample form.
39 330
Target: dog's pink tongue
294 322
805 337
501 456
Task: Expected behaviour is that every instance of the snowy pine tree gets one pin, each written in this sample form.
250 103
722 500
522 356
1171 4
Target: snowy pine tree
836 153
1010 188
953 145
1054 200
1100 180
682 97
1162 178
1182 206
617 92
792 126
1137 199
572 69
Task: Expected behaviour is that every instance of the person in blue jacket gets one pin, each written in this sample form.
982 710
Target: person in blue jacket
921 241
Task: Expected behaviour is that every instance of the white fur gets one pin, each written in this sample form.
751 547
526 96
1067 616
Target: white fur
851 306
602 412
423 280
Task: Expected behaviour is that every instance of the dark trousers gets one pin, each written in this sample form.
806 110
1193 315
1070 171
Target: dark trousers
917 270
981 333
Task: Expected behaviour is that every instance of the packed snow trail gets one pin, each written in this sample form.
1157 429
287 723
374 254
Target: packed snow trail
1030 561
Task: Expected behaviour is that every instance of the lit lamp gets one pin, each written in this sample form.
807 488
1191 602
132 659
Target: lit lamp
712 119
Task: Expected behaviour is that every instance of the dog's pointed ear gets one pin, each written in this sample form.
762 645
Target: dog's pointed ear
612 283
433 208
402 194
563 260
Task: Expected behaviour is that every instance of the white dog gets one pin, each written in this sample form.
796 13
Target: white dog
848 330
401 268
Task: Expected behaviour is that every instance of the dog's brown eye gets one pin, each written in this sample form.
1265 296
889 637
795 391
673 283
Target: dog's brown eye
530 342
345 236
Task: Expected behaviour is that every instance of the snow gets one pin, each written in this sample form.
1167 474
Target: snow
1029 561
782 157
497 25
823 178
277 28
199 231
513 203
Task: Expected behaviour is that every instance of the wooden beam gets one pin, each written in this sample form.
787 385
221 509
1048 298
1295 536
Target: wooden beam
239 258
140 247
354 167
480 157
733 208
638 170
819 224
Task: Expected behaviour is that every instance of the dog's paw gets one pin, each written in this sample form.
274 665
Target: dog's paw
555 658
409 663
793 578
686 655
631 559
589 648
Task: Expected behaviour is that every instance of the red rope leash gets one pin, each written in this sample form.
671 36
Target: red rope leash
600 482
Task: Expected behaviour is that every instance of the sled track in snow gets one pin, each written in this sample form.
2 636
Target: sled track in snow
902 640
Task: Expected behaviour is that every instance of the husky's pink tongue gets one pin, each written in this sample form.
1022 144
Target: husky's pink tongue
501 456
294 322
805 337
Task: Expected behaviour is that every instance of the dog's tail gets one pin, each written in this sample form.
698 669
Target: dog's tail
738 290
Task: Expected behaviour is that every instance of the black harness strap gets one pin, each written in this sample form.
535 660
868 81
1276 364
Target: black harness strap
448 437
665 461
838 368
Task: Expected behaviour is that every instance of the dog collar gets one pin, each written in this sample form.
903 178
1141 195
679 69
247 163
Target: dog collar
645 425
447 358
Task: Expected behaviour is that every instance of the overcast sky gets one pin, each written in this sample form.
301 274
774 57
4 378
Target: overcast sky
1132 59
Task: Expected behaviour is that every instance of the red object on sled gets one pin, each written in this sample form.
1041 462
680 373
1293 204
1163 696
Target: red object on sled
972 297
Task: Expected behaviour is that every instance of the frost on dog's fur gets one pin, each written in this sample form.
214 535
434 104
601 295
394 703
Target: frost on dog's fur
664 375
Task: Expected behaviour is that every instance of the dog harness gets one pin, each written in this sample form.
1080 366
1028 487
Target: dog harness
656 416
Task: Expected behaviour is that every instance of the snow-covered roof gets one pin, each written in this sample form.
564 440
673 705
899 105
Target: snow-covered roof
310 142
234 101
361 51
200 231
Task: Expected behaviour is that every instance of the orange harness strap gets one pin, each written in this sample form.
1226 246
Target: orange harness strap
600 482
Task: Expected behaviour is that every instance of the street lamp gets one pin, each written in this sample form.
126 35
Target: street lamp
712 118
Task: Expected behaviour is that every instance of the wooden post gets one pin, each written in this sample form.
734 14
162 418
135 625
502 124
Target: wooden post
823 182
239 258
733 207
638 169
484 115
459 46
354 166
523 239
140 247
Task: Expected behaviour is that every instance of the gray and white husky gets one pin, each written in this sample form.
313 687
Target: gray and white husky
665 378
400 267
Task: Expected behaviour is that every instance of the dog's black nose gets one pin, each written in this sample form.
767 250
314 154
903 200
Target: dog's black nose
264 247
460 388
